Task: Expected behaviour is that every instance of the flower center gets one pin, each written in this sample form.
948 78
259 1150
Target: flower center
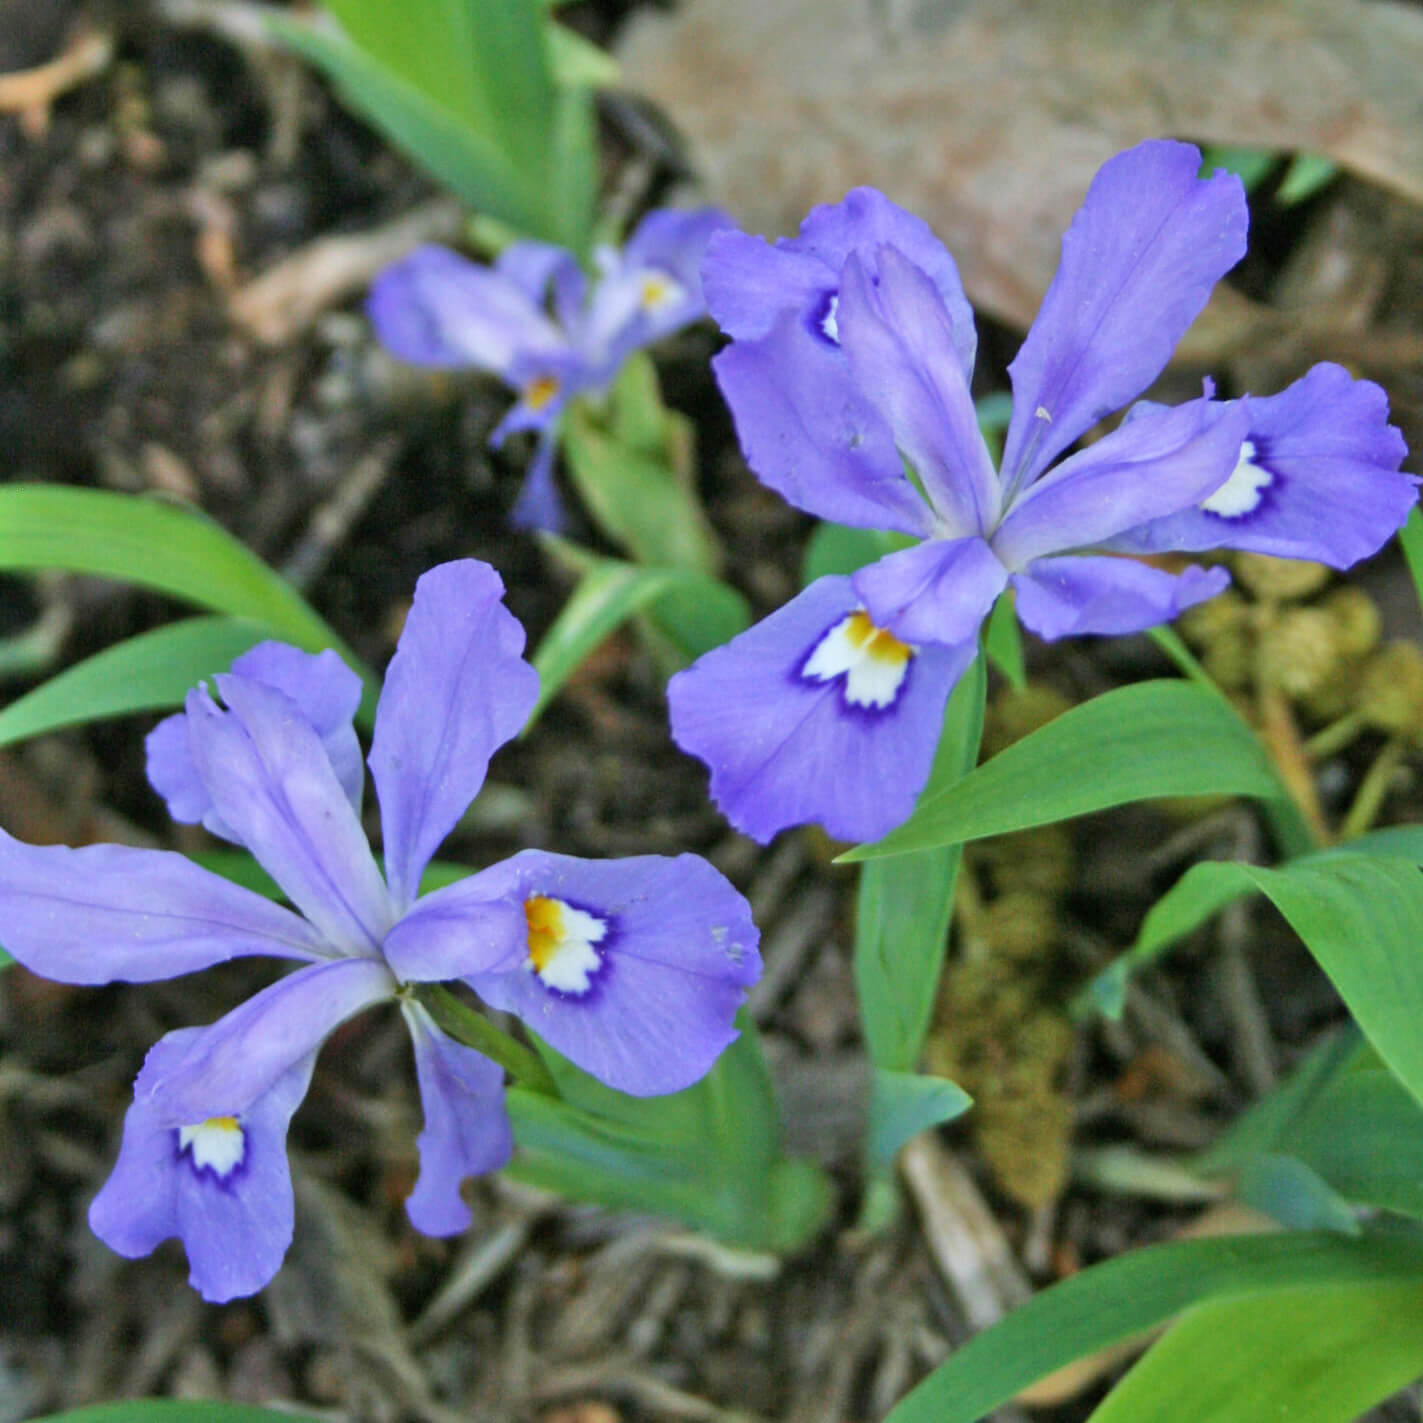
873 662
219 1144
657 291
829 322
562 943
540 392
1242 492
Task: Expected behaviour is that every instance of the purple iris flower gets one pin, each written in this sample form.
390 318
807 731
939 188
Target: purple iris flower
633 969
533 320
849 379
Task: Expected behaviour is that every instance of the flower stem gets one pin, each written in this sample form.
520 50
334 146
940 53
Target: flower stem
474 1030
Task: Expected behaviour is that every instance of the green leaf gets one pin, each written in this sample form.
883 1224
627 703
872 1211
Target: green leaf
1306 175
1136 1292
579 63
169 1410
703 612
1288 1190
1251 165
903 906
1410 538
1160 738
709 1156
163 546
1003 641
1312 1355
1204 890
694 615
628 479
607 595
1362 919
902 1104
149 672
840 549
467 162
1363 1134
5 959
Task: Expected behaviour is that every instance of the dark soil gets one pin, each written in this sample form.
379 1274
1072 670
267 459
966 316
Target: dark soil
158 186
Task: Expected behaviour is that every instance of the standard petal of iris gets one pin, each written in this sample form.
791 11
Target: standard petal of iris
455 691
539 269
231 1063
435 308
899 342
1138 263
108 913
1067 597
325 690
467 1130
633 969
1315 478
222 1186
271 780
1162 462
863 222
811 436
749 283
656 286
938 591
815 715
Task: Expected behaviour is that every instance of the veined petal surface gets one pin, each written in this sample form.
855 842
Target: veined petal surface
326 693
1163 461
467 1131
542 272
228 1065
798 721
112 913
233 1209
899 342
455 691
1318 480
1138 264
810 434
269 778
1068 597
669 949
436 308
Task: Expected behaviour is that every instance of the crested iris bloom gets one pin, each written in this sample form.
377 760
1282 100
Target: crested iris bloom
533 320
849 379
633 969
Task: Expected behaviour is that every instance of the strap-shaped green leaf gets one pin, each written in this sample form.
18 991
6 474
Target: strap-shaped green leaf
172 1410
1204 890
163 546
1139 1291
1319 1354
698 610
1362 919
1160 738
709 1156
903 906
149 672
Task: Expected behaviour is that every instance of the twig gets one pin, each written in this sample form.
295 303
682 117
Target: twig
287 298
335 517
30 92
967 1243
477 1267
